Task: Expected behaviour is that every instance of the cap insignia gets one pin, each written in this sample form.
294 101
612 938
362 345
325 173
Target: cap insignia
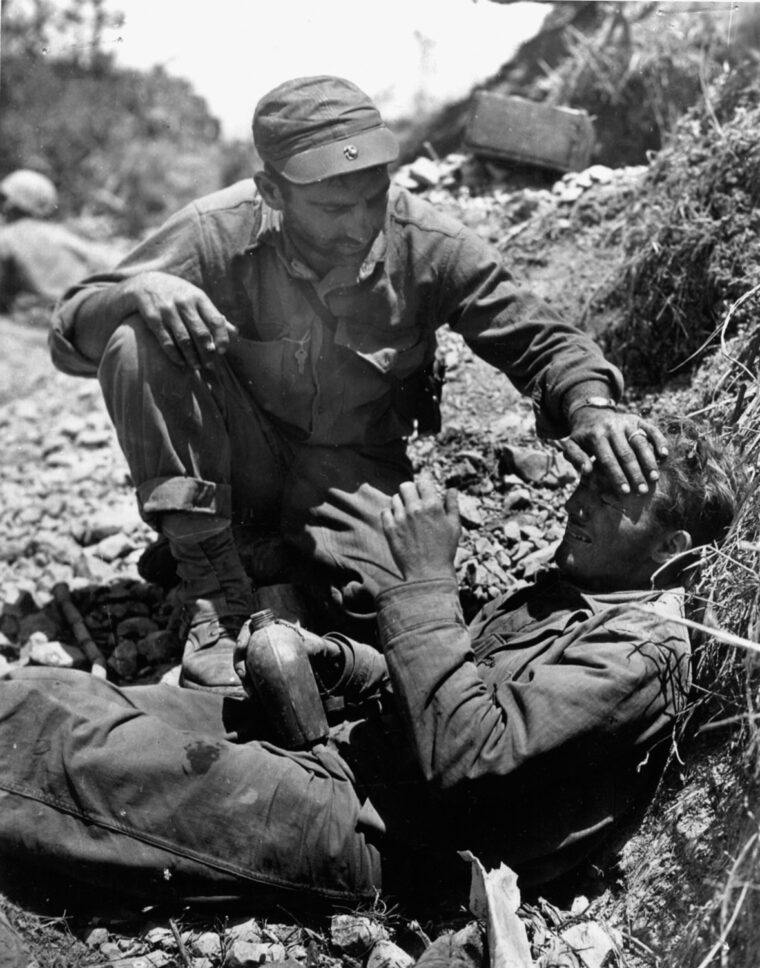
351 152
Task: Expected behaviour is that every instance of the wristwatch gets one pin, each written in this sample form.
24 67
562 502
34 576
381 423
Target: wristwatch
601 403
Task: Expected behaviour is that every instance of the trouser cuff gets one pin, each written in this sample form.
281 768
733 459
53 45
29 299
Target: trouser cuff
164 494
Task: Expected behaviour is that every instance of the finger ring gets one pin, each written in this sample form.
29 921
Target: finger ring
636 433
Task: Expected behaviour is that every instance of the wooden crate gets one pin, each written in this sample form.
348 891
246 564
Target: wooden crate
528 132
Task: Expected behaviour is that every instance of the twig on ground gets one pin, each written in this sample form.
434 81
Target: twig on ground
180 944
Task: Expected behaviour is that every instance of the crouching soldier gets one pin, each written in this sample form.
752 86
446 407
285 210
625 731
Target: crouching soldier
268 351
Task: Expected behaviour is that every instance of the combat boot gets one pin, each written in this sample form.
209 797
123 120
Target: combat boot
216 596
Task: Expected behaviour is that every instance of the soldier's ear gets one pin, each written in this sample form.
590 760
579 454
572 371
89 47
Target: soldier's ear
672 543
270 190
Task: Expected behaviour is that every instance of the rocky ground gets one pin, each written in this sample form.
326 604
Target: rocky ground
69 531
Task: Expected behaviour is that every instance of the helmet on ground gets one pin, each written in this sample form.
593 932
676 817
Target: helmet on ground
29 192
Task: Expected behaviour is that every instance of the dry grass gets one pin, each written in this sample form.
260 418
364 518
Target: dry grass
691 241
724 928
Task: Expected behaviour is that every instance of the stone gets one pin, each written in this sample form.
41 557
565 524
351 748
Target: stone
124 659
93 569
11 550
208 945
511 532
596 945
111 950
386 954
159 937
13 951
41 652
518 499
355 934
96 937
62 459
530 532
247 930
245 954
424 172
449 950
29 516
113 547
600 173
160 959
537 560
54 505
70 426
109 521
528 463
461 555
494 568
94 438
470 510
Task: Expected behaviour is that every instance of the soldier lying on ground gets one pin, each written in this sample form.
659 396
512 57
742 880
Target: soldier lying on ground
526 738
39 259
275 340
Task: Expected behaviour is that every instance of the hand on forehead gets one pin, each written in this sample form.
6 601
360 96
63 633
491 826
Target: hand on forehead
599 483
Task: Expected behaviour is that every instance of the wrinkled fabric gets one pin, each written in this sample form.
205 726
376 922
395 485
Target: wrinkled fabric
341 387
543 724
150 789
196 442
301 427
43 259
527 739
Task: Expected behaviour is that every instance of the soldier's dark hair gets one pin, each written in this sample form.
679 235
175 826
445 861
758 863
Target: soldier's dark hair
700 481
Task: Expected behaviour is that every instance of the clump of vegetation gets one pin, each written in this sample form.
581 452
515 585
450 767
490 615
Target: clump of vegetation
690 874
634 73
691 242
727 917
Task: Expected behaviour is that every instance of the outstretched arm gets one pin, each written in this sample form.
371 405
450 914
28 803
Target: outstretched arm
552 361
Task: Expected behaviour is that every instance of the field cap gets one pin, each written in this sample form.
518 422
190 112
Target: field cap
311 128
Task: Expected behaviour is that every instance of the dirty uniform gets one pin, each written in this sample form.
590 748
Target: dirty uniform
525 739
320 391
40 260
